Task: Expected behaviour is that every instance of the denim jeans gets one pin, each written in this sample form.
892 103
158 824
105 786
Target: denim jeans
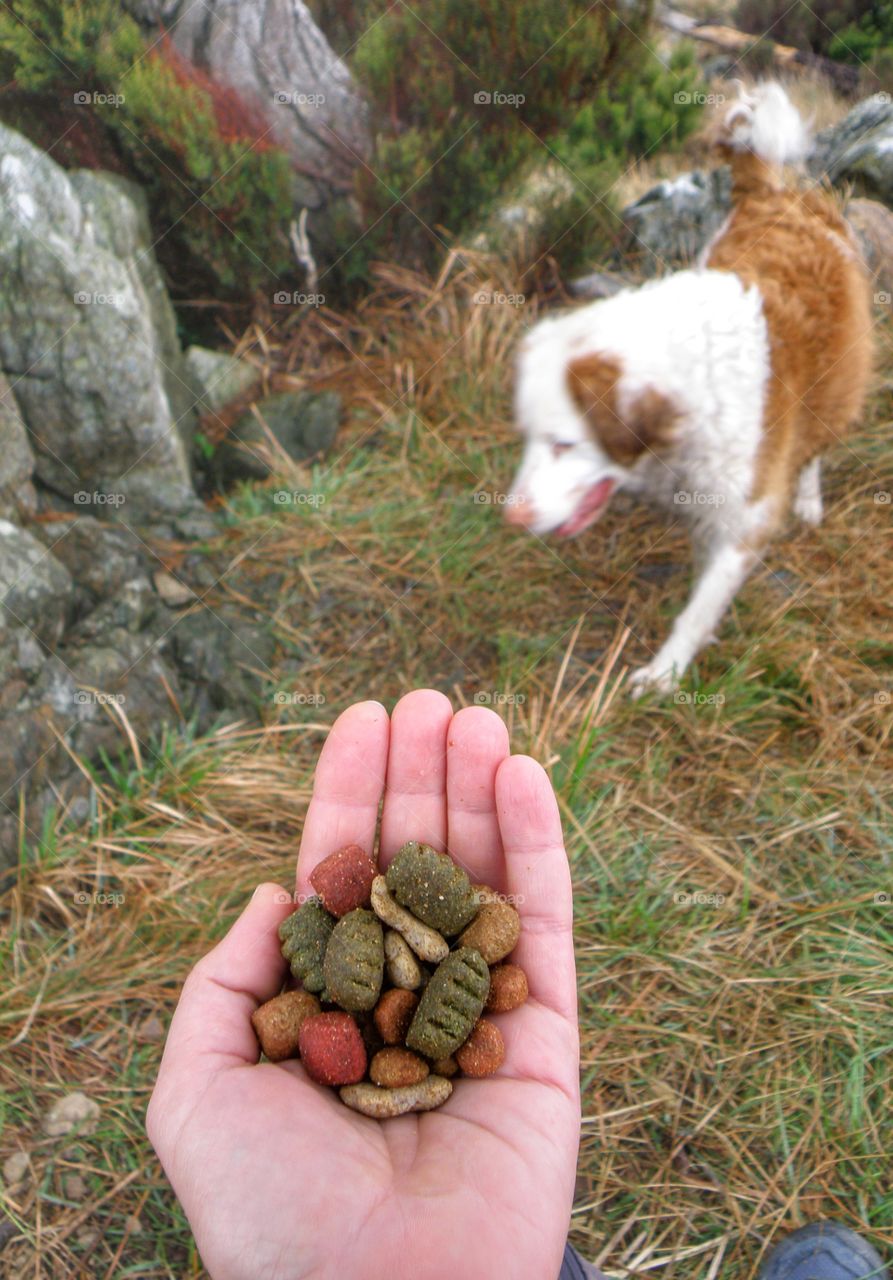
574 1268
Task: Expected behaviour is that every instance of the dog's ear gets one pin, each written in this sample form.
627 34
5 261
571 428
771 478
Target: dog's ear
647 423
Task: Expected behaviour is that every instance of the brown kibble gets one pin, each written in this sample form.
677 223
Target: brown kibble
445 1067
344 879
393 1014
395 1068
484 1050
370 1033
277 1024
493 932
508 988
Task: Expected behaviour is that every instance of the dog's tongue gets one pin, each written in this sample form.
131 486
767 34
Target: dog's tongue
591 506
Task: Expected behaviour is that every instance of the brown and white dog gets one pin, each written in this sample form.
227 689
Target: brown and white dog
712 391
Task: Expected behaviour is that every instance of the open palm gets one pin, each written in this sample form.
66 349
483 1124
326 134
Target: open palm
277 1177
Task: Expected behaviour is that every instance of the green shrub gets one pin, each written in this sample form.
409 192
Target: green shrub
847 29
221 196
587 88
869 40
650 108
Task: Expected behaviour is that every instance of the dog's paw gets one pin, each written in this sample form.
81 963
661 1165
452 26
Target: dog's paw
656 677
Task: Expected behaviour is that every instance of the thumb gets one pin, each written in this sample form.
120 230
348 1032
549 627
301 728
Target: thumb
211 1027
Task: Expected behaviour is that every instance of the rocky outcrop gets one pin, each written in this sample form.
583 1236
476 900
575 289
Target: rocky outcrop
859 149
302 426
102 641
671 223
218 378
17 495
87 335
273 55
88 645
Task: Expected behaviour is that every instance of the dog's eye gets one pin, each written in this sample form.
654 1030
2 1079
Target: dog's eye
558 448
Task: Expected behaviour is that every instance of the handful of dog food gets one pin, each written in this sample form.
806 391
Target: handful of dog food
396 971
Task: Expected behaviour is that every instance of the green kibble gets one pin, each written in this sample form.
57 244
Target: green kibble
354 961
305 936
450 1005
432 887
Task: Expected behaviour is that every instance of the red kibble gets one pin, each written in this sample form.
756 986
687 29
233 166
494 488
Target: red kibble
344 879
332 1049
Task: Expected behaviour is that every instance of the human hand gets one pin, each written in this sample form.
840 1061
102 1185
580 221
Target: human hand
277 1177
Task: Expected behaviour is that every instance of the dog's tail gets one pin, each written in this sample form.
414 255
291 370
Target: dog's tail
762 132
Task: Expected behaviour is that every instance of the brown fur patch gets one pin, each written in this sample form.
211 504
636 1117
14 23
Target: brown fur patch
797 249
646 424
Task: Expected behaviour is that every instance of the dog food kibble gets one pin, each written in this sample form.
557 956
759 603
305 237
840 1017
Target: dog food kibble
354 961
445 1067
394 1013
372 1037
277 1024
450 1005
332 1049
408 1022
305 936
483 1052
403 968
493 932
383 1104
432 887
427 943
393 1068
344 879
508 988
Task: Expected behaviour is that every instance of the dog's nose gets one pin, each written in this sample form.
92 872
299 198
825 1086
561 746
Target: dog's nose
519 510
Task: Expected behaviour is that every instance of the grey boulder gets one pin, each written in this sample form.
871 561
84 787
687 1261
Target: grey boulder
87 334
670 224
17 495
272 53
859 149
302 424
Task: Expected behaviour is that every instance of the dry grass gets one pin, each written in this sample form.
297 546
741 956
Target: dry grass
735 1047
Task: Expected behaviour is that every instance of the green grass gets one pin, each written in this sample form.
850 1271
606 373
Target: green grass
736 1045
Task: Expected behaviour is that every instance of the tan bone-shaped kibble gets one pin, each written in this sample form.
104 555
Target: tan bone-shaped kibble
403 968
383 1104
426 942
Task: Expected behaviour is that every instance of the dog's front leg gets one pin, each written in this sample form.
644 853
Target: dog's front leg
723 572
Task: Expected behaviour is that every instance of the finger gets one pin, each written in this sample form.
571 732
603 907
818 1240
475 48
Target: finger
347 788
211 1027
415 791
538 877
477 744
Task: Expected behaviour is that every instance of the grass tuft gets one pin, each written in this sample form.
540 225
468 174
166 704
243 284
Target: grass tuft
731 851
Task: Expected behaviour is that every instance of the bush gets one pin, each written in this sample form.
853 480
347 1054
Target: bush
850 30
211 186
867 41
577 80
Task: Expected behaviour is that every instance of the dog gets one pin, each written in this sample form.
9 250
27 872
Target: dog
712 391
